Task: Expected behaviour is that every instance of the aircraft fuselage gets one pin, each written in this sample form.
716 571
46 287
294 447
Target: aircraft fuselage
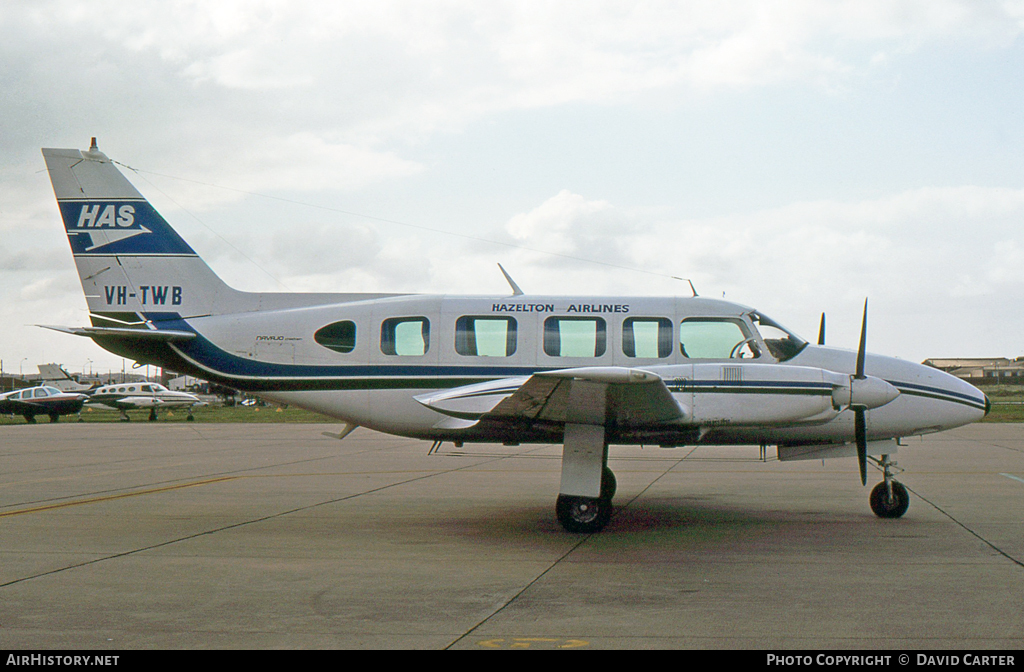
385 352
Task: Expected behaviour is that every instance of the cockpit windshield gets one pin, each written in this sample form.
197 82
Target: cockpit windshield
782 343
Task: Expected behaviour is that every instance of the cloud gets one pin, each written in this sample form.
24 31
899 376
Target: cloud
361 73
919 254
335 102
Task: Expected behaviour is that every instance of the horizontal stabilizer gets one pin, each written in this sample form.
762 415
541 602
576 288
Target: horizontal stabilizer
124 332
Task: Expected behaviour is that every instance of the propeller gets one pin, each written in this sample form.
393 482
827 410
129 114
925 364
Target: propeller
859 410
859 393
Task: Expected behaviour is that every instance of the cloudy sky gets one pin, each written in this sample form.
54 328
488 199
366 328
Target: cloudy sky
793 156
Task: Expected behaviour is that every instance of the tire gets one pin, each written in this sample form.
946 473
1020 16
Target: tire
608 485
883 507
583 514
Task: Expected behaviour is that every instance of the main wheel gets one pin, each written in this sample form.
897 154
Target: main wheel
608 485
583 514
883 506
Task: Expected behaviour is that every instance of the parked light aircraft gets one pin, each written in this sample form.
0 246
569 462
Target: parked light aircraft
56 376
153 396
584 372
41 400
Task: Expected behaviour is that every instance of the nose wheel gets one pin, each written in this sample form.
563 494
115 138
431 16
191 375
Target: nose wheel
886 505
889 499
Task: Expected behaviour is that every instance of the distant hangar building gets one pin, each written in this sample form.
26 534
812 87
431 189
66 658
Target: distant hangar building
983 370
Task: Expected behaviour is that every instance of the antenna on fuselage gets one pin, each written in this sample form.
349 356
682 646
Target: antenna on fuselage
515 288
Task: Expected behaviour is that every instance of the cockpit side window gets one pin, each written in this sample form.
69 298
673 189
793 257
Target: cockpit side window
782 343
716 338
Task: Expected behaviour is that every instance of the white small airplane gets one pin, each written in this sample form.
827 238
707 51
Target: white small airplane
585 372
133 396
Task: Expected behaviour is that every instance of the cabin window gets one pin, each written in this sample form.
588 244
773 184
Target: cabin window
339 336
716 338
485 336
647 337
575 336
40 392
405 336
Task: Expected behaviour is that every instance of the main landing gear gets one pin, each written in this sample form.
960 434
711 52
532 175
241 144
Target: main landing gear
889 499
587 514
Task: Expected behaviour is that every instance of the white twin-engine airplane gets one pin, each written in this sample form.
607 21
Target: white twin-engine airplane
148 396
584 372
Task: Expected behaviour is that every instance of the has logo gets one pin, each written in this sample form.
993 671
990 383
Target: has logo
119 226
91 216
97 225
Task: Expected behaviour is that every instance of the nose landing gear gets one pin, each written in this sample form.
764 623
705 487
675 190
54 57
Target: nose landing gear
889 499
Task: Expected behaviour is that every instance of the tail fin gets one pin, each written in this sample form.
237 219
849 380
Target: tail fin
55 375
129 258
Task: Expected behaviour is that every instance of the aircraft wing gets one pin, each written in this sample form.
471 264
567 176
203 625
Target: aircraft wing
129 403
590 395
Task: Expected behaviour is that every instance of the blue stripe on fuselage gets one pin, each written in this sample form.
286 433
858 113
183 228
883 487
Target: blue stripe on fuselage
209 356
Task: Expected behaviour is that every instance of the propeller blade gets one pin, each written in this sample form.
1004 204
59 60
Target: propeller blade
821 330
863 342
860 431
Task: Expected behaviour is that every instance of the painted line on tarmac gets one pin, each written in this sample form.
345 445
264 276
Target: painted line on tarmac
969 530
223 528
108 498
1016 478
